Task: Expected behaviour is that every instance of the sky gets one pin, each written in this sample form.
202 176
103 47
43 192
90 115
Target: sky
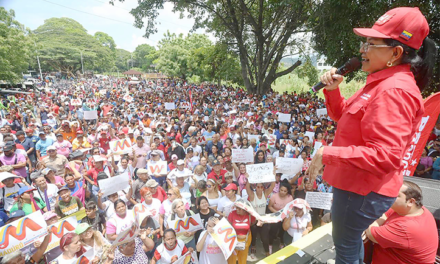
99 15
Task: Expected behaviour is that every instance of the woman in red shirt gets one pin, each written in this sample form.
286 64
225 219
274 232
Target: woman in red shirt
242 222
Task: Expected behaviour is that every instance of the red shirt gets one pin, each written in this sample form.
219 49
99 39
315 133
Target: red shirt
215 176
375 128
104 143
406 239
241 223
160 194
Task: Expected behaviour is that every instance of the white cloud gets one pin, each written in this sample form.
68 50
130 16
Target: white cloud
138 40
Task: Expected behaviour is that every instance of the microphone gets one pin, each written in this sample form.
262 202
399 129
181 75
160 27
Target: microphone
352 65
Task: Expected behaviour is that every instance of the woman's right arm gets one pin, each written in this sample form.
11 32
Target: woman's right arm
201 242
161 218
271 202
286 221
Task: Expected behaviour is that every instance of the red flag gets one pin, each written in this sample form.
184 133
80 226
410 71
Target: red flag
412 155
191 99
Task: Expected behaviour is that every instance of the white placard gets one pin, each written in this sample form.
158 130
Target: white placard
321 112
91 115
121 146
91 101
185 105
103 91
225 236
311 135
76 102
285 118
260 173
242 155
203 140
128 98
159 167
319 200
114 184
170 106
190 224
287 142
289 166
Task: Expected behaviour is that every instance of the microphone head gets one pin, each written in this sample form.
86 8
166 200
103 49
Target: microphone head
353 64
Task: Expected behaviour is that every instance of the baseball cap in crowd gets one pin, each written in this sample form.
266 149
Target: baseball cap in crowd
151 183
25 189
62 189
230 186
81 228
41 133
318 124
227 159
36 175
59 135
154 153
215 162
263 144
8 147
51 148
45 171
174 157
80 132
142 171
101 176
189 150
49 215
180 162
404 24
228 174
29 130
103 132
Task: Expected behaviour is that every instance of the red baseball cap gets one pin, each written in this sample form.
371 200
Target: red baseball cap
231 186
405 24
79 132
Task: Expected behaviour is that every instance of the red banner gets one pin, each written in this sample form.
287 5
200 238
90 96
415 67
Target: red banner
414 152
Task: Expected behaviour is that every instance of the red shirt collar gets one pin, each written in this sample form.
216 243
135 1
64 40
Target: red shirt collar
388 72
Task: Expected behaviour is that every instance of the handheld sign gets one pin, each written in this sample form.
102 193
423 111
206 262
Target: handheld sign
76 102
160 167
242 155
59 229
170 106
271 140
319 200
225 236
189 224
114 184
260 173
289 165
121 146
285 118
127 235
185 105
317 146
321 112
91 115
311 135
85 258
128 98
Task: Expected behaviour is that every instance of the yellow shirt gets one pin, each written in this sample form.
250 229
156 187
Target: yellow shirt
76 145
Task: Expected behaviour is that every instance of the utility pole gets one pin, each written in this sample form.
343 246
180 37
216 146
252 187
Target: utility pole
38 59
82 64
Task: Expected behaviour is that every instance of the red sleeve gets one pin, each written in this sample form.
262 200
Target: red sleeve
389 212
386 127
391 235
184 250
335 103
231 218
157 255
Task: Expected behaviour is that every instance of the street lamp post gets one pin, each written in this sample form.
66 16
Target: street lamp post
82 64
38 60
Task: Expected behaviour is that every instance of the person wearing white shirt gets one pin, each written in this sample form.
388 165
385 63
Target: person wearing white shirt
48 193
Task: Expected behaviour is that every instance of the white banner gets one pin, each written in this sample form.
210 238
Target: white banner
289 166
121 146
21 233
190 224
160 167
242 155
185 105
285 118
311 135
170 106
76 102
91 115
59 230
257 137
321 112
225 236
319 200
114 184
260 173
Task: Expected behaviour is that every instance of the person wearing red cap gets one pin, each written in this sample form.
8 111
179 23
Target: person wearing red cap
375 126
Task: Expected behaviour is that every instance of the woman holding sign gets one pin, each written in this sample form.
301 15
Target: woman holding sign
210 252
170 250
179 212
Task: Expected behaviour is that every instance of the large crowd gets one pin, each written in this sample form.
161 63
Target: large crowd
54 157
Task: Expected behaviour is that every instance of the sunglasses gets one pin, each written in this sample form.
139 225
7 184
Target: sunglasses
169 194
209 185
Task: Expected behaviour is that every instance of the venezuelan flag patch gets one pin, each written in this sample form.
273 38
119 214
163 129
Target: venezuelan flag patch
405 35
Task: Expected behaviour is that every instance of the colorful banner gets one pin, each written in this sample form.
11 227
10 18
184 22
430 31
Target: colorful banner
22 233
121 146
59 230
412 156
188 258
128 98
76 102
159 167
140 211
190 224
225 236
185 105
85 258
127 235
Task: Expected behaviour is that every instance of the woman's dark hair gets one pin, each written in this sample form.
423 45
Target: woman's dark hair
422 61
285 183
169 230
229 139
117 202
199 201
256 157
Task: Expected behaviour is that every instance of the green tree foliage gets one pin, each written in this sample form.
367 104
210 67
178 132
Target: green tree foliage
62 41
122 57
16 46
105 40
308 70
143 56
259 31
335 19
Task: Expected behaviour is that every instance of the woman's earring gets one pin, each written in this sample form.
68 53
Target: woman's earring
389 64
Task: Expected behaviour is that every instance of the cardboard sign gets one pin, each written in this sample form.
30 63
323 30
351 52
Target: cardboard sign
85 258
225 236
170 106
160 167
190 224
242 155
140 211
271 140
289 165
185 105
189 257
76 102
321 112
127 235
120 146
310 134
103 91
114 184
285 118
319 200
59 230
91 115
21 233
128 98
260 173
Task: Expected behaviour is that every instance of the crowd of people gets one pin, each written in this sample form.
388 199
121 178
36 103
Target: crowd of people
56 157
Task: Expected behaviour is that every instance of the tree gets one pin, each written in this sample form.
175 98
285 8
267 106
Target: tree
63 43
142 55
122 57
260 31
15 47
334 37
105 40
309 71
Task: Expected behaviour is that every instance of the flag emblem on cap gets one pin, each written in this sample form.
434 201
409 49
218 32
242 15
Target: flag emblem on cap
405 35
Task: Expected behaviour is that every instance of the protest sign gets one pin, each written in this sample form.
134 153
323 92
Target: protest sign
85 258
242 155
185 105
128 98
271 140
289 165
225 236
189 224
91 115
310 134
127 235
321 112
140 211
260 173
287 142
59 229
103 91
203 140
319 200
225 94
121 146
285 118
76 102
170 106
317 146
187 258
21 233
78 215
114 184
159 167
91 101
